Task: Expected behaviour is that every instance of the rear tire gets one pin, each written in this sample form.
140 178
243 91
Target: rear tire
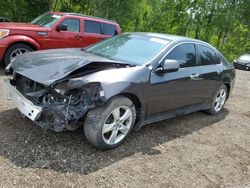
219 101
107 127
16 50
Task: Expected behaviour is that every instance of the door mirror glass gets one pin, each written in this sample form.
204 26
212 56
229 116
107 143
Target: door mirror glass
169 65
62 27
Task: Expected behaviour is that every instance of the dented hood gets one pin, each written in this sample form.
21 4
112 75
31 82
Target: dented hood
48 66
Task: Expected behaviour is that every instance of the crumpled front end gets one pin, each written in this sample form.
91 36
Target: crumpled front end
52 108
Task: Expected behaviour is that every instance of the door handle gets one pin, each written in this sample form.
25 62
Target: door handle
77 36
194 76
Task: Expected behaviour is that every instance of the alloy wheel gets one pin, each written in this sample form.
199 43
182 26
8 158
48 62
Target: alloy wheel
220 100
117 125
17 52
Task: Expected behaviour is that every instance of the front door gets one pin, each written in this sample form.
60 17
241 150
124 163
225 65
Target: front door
72 38
176 90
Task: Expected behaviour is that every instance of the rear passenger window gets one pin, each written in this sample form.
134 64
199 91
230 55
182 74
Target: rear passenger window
73 24
207 56
185 54
109 29
92 27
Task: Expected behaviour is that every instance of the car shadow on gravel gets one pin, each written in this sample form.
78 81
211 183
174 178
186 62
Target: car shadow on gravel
28 146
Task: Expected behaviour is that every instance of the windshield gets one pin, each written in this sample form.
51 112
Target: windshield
46 20
133 49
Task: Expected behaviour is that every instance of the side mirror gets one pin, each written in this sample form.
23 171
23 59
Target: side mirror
115 33
169 65
62 27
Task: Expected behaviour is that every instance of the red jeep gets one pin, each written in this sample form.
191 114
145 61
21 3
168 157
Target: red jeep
53 30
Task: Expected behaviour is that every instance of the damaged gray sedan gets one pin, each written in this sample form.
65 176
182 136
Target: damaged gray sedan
119 84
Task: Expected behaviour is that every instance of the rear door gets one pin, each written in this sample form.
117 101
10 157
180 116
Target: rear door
211 69
92 32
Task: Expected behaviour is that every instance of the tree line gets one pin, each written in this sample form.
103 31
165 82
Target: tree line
224 24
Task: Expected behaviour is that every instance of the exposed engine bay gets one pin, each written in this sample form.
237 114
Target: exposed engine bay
50 87
65 102
60 110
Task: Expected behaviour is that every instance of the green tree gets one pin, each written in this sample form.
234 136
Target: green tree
225 24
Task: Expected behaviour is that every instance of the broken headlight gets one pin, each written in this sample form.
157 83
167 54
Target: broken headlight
60 91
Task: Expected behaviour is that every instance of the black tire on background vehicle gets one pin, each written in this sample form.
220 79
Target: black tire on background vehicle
108 126
218 101
16 50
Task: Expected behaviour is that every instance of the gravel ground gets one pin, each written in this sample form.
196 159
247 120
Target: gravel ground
195 150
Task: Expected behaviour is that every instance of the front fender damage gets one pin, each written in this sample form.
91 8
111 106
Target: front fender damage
63 109
66 100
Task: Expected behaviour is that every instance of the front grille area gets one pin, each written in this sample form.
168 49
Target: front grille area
25 85
239 66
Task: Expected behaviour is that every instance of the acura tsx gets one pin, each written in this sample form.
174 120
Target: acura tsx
119 85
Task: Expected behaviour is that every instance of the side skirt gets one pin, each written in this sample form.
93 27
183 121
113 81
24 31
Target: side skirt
172 114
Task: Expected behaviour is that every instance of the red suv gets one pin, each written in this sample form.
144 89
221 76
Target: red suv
53 30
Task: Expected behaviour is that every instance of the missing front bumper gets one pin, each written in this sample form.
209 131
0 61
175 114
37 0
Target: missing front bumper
24 105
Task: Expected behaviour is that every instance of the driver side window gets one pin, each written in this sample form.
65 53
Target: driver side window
73 24
185 54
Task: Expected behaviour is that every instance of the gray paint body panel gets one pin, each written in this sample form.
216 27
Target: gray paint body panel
48 66
161 95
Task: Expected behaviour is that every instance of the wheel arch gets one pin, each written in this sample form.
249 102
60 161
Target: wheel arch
25 41
14 39
138 105
21 42
228 81
13 44
228 88
20 39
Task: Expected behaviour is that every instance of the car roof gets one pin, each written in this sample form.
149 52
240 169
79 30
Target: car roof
244 57
170 37
82 15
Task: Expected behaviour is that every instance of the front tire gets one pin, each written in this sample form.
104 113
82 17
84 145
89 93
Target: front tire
107 127
219 100
16 50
